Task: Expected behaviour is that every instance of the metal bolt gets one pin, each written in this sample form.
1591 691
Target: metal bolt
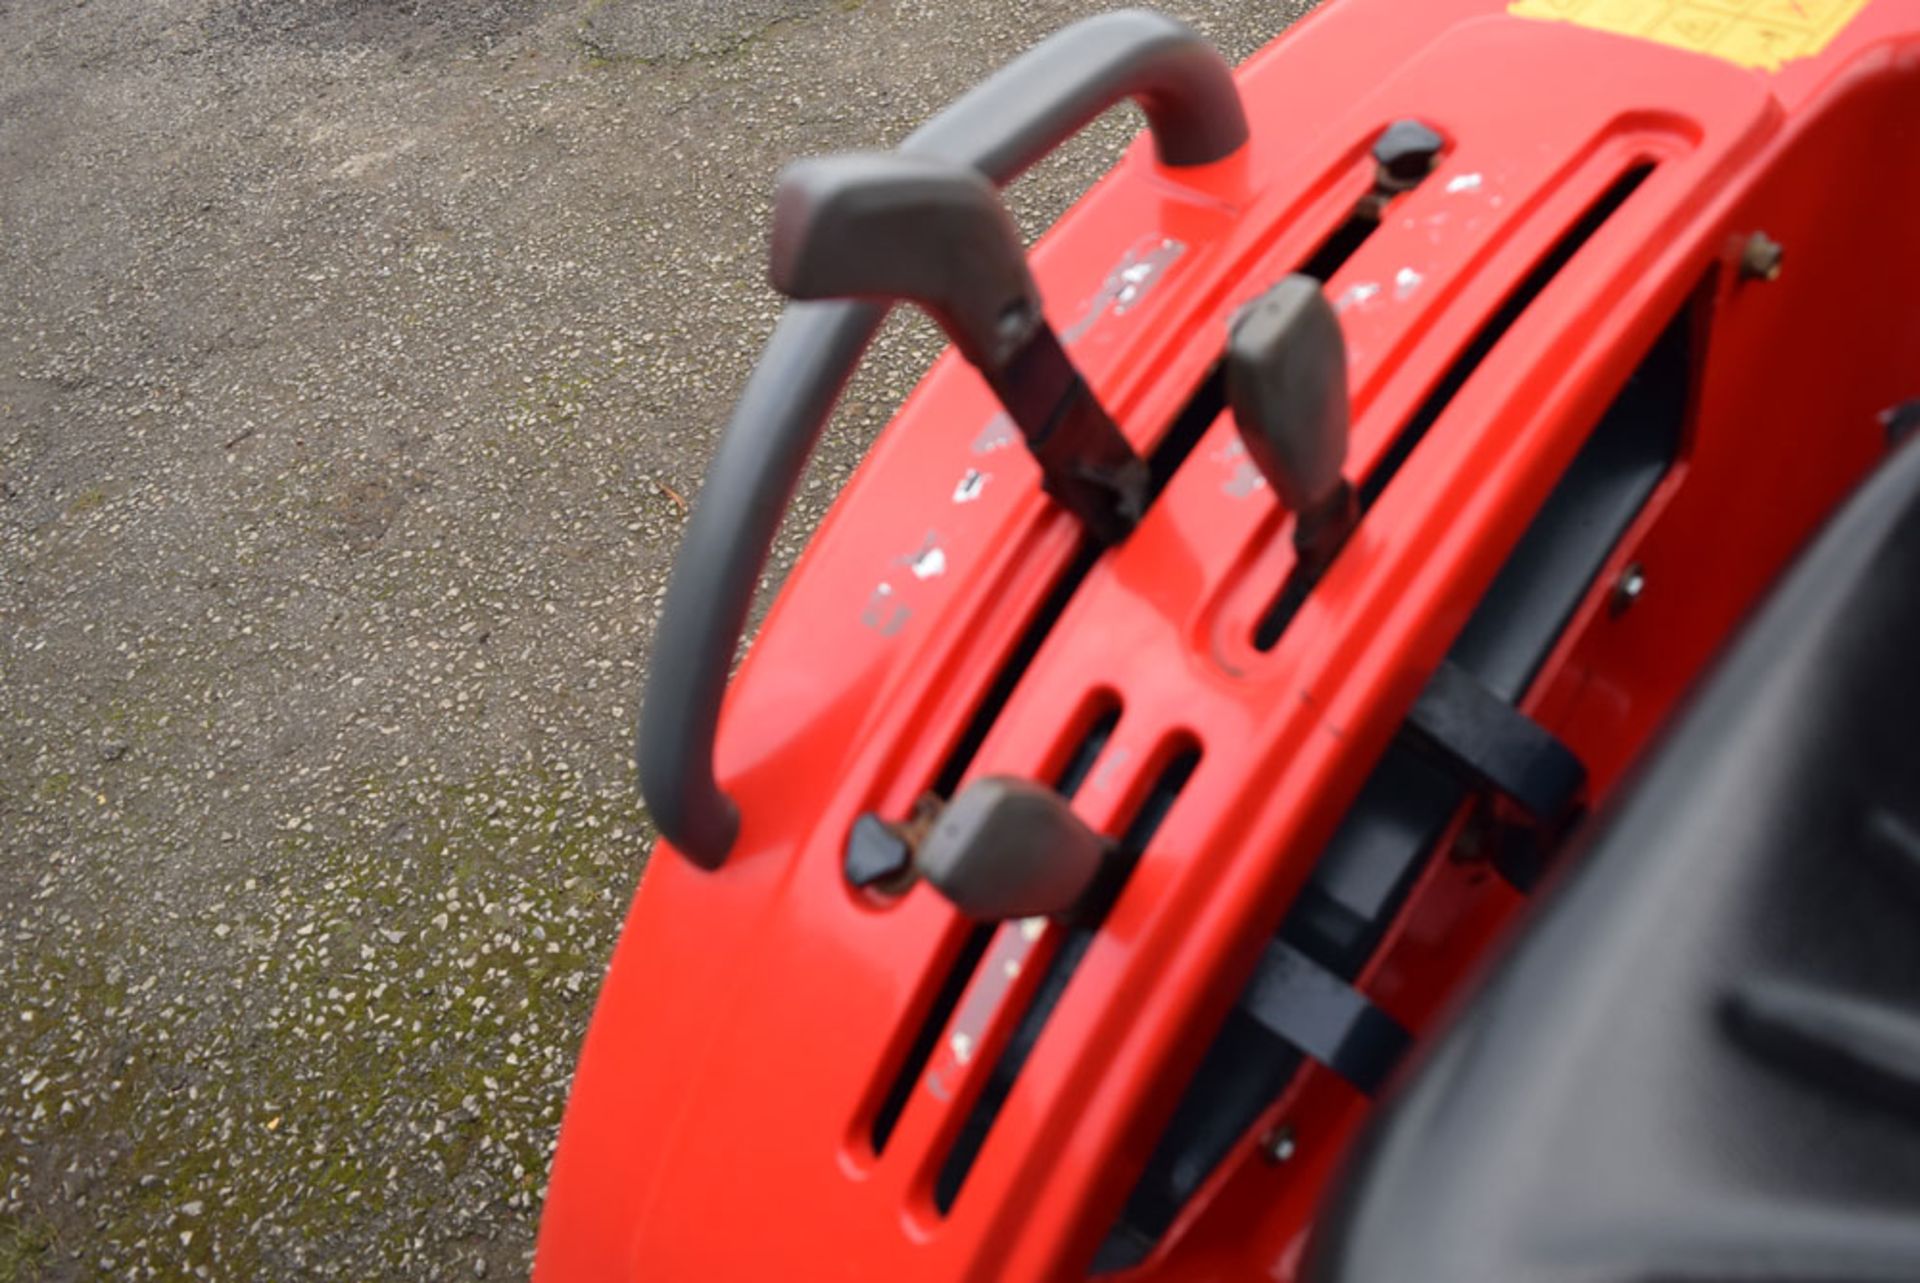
1405 153
1277 1146
1900 421
1471 846
1760 258
1628 587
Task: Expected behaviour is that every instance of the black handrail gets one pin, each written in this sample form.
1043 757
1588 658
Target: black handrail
1000 127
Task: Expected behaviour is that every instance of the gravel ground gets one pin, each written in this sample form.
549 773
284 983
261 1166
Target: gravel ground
357 361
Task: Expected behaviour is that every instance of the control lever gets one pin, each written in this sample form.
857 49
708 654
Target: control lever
885 226
1287 385
1010 848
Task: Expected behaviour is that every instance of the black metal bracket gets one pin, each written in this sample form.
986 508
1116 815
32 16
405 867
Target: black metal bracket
1493 745
1325 1018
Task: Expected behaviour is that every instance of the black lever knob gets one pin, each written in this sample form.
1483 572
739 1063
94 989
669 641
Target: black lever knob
1287 386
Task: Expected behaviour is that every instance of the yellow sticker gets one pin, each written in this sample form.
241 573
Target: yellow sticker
1752 33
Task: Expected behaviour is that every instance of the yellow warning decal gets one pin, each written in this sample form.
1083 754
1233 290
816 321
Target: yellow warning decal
1752 33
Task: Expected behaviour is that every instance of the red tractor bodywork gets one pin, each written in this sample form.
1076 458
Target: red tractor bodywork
1595 191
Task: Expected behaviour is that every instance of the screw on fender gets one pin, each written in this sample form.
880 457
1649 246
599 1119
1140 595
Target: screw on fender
1628 588
1760 258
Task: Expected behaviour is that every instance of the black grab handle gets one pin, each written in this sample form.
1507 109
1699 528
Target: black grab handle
1000 127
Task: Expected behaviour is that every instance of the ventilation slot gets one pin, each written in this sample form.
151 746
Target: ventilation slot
1292 593
1100 718
1174 447
1087 751
1172 450
924 1042
1345 241
1173 777
1362 878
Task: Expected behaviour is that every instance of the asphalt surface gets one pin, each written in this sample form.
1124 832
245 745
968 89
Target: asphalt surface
358 359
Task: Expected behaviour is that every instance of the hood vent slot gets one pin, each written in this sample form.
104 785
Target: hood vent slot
1188 426
1292 593
1101 717
959 972
1180 759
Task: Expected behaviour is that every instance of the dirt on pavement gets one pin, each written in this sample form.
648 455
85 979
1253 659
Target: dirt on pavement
358 359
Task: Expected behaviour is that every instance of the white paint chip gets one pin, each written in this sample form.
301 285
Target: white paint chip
928 564
1245 481
997 434
1358 295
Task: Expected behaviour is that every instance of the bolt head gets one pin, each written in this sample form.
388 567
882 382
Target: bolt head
1628 587
1760 258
